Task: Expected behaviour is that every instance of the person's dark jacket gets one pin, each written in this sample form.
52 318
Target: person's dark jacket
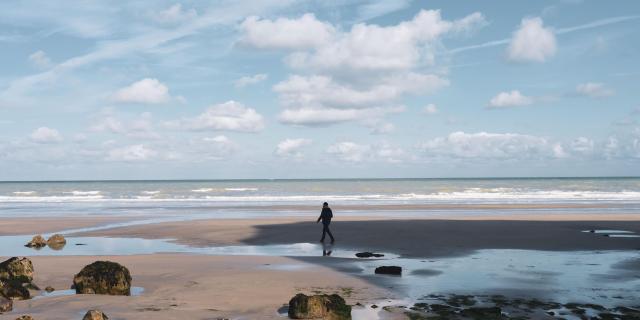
326 216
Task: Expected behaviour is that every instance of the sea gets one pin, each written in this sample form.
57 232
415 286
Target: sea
249 198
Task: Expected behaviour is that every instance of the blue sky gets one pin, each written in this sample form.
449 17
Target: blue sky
318 89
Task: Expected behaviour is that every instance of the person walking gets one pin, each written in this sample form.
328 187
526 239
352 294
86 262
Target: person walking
326 215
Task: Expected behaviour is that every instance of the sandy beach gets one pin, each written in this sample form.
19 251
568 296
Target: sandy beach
197 286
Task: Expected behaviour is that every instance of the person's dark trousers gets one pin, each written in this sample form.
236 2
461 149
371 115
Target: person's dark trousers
325 230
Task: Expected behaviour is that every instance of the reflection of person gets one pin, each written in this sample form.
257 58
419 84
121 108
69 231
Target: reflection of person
326 216
327 249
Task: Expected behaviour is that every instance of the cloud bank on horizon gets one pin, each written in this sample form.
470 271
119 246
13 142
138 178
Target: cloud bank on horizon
296 89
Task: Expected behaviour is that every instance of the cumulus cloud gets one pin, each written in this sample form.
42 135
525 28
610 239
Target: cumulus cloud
146 91
285 33
509 99
40 59
46 135
484 145
175 14
291 148
228 116
131 153
249 80
430 109
532 42
354 152
594 90
366 67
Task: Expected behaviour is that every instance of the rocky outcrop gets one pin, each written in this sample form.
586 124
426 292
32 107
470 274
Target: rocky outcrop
6 305
394 270
56 242
17 269
37 242
103 277
95 315
369 255
330 307
15 274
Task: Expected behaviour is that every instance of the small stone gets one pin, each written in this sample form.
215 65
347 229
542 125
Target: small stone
367 254
95 315
49 289
394 270
25 317
373 306
37 242
6 305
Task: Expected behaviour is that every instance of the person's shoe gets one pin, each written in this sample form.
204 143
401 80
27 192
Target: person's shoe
333 240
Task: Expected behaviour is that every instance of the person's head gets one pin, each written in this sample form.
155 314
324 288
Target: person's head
326 204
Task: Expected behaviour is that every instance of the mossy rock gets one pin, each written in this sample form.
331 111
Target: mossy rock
95 315
330 307
37 242
14 289
103 277
17 269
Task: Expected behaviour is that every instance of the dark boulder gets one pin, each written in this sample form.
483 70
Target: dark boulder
369 255
6 305
394 270
330 307
103 277
14 289
17 269
95 315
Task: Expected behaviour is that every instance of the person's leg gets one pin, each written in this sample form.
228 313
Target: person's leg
324 232
329 232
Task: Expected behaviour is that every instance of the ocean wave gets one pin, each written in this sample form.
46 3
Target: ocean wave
24 193
202 190
83 193
151 192
241 189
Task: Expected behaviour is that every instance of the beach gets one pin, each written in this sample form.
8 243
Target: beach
247 260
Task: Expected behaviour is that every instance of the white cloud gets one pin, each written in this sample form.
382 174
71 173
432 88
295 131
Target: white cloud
594 90
148 90
175 14
532 42
510 99
140 126
329 116
381 127
46 135
291 148
228 116
40 59
484 145
583 146
284 33
248 80
131 153
430 109
349 151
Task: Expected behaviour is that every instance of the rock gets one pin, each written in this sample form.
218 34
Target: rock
374 306
37 242
56 242
368 255
25 317
14 289
95 315
330 307
17 269
6 305
482 313
49 289
394 270
103 277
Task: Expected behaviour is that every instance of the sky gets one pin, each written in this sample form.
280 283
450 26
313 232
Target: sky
318 89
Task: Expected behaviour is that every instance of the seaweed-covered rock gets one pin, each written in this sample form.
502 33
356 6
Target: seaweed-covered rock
394 270
6 305
486 313
17 269
367 254
14 289
330 307
37 242
56 242
95 315
103 277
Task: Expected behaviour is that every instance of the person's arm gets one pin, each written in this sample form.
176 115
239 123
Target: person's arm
330 213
